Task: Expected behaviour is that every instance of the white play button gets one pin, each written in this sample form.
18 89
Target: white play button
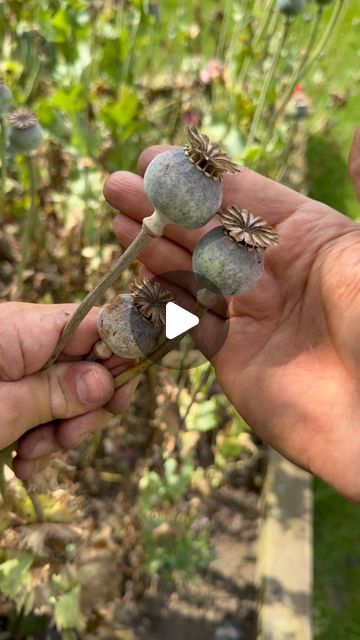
178 320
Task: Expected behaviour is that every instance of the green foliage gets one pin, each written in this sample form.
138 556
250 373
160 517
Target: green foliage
203 416
186 549
14 576
154 489
67 610
337 566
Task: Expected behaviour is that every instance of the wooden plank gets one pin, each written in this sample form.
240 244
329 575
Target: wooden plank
285 561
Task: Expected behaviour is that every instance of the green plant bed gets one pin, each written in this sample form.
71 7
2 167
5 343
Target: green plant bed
336 521
335 91
337 566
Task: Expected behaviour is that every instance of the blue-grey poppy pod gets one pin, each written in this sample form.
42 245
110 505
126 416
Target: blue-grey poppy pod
131 324
185 185
230 258
291 7
25 134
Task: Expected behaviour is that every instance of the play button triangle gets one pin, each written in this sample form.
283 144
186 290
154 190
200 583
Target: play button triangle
178 320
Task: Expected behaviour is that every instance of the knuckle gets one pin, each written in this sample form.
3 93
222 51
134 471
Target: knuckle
11 416
59 398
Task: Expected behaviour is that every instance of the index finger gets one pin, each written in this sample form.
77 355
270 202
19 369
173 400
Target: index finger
124 191
248 190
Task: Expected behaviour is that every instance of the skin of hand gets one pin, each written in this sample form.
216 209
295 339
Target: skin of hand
291 360
58 407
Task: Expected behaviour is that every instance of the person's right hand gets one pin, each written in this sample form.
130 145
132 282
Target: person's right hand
291 360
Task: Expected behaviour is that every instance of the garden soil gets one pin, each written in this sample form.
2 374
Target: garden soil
220 604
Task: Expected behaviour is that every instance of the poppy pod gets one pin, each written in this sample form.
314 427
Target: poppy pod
25 133
291 7
131 324
185 185
230 258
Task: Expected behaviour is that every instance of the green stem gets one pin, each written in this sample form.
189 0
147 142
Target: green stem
2 482
263 24
299 71
203 380
3 166
146 363
326 36
287 151
267 83
152 227
305 64
30 224
259 36
225 23
34 498
296 77
273 28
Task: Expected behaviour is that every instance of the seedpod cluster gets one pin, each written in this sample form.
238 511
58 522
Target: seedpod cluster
185 187
229 260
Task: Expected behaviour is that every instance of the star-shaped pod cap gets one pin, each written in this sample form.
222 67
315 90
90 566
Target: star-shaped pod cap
151 299
246 228
207 156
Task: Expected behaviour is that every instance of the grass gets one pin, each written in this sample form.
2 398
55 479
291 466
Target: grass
337 522
333 128
337 566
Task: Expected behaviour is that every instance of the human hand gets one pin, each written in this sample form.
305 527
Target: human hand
75 393
291 360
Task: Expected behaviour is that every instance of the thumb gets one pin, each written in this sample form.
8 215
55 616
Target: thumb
62 391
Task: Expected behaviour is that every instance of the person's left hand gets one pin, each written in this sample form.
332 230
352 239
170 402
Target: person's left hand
60 406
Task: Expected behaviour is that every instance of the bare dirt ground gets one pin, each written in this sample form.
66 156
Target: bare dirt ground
220 604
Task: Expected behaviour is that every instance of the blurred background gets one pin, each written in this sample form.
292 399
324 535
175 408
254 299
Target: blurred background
103 544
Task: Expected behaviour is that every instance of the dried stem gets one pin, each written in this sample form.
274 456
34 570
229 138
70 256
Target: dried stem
152 227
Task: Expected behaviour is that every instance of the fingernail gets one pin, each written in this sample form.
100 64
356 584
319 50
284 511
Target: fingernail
89 387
